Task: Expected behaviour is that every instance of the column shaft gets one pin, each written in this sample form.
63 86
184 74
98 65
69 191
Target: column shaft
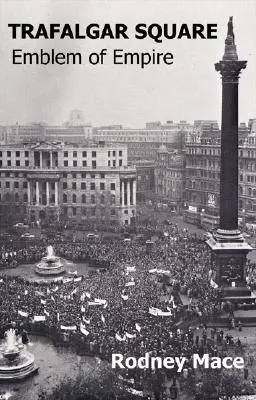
29 192
47 194
122 190
134 193
128 194
37 193
56 193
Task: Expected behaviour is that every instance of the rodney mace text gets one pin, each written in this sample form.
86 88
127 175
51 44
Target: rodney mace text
119 57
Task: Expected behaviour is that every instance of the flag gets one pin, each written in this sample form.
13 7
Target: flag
94 303
39 318
66 280
1 280
130 269
23 313
100 301
55 289
47 313
213 284
153 311
58 317
138 327
78 279
43 301
124 297
52 298
103 319
87 295
87 321
164 313
68 327
26 292
121 339
132 283
72 273
129 335
73 291
83 330
105 305
82 309
82 297
152 271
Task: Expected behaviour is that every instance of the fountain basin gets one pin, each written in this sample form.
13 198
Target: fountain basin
20 369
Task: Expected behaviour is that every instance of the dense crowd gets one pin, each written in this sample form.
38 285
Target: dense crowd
140 280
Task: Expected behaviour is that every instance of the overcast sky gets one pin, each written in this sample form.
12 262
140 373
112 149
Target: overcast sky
189 89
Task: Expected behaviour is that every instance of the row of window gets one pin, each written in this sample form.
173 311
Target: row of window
66 163
92 199
17 153
16 184
88 211
92 186
17 163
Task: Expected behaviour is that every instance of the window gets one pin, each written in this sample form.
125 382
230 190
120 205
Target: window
74 198
102 176
84 211
113 211
53 185
17 153
25 198
114 153
8 154
25 185
108 163
17 163
84 153
108 153
75 154
26 163
83 185
65 198
83 175
102 186
26 153
93 164
113 199
83 198
92 176
65 175
114 163
74 210
112 186
92 186
7 184
92 199
120 163
102 199
120 153
1 153
9 163
74 185
74 163
74 176
66 163
65 153
16 197
16 185
93 154
65 185
84 163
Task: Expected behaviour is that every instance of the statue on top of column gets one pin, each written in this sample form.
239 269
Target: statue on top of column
230 28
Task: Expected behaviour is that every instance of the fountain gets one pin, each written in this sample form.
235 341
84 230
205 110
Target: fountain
15 362
50 265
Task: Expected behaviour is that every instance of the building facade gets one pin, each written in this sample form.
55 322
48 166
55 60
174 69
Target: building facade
203 178
169 178
67 182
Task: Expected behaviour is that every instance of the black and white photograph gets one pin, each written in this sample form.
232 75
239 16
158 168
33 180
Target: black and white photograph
127 200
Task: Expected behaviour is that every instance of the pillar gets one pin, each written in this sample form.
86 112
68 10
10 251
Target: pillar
37 193
47 194
122 191
134 193
56 193
128 193
41 159
29 198
50 159
229 68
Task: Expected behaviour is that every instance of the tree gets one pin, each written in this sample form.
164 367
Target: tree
100 383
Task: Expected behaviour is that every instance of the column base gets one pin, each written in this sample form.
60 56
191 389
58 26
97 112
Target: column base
228 256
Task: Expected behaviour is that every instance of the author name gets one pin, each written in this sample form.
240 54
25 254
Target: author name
177 363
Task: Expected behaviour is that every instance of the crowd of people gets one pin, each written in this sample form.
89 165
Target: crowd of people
133 307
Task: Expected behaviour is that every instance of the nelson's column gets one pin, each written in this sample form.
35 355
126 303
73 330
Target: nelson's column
228 247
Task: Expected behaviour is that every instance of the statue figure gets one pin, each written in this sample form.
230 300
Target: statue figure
230 28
